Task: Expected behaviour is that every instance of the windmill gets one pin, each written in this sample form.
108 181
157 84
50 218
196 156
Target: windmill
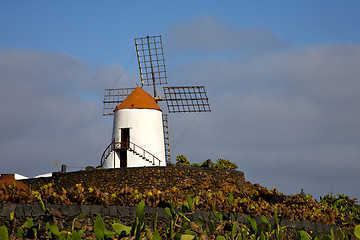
179 99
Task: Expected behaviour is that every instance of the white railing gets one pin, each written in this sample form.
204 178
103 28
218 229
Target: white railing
130 146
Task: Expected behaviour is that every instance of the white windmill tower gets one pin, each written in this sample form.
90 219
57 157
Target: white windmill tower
140 131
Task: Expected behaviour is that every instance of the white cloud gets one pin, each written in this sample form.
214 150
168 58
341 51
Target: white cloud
208 34
51 111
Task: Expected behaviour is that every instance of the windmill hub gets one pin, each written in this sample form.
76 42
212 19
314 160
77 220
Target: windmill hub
158 98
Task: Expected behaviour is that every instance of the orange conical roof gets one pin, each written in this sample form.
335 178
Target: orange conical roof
138 99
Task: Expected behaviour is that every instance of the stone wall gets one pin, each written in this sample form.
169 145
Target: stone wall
63 215
188 179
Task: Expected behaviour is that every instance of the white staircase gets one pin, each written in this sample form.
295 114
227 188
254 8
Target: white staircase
131 147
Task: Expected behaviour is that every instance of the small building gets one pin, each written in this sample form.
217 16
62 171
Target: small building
138 137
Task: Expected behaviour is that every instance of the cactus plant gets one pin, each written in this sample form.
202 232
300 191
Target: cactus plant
4 233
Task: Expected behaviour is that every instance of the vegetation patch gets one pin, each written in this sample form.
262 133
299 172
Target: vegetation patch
178 227
223 192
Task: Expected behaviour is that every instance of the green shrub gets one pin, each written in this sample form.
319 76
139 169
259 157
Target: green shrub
225 164
207 163
182 161
195 165
221 163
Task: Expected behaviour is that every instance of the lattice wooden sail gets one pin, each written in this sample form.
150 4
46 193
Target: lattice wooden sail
186 99
166 137
151 60
113 97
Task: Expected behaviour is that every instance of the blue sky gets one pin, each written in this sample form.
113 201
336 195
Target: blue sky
99 32
282 78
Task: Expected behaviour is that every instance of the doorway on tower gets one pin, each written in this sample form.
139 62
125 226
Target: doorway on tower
125 143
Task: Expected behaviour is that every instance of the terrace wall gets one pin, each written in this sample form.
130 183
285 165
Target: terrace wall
188 179
63 215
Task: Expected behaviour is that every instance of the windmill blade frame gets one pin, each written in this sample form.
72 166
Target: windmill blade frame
166 138
186 99
113 97
151 60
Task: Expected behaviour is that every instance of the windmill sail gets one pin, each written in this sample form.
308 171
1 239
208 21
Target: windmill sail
166 138
186 99
151 60
113 97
